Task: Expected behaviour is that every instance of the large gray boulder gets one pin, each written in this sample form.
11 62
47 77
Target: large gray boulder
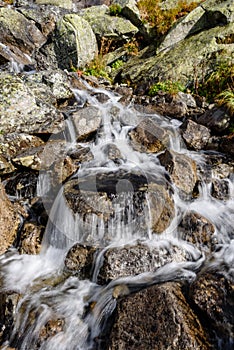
188 61
19 37
67 4
22 112
74 42
208 15
106 26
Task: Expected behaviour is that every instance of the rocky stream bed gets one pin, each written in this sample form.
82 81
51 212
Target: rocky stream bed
116 208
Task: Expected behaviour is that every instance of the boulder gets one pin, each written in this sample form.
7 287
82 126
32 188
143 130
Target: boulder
217 119
149 137
30 238
182 170
213 294
130 11
196 136
79 260
87 121
198 230
157 318
170 65
19 37
132 260
162 209
67 4
9 221
220 189
208 14
21 112
74 42
22 185
121 197
109 27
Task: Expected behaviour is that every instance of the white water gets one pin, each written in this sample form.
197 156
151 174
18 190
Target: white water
47 293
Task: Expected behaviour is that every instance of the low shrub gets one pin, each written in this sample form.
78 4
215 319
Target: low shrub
172 87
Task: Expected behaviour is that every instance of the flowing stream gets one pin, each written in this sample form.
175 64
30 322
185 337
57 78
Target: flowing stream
47 292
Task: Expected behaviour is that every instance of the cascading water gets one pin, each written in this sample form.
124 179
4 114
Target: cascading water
48 292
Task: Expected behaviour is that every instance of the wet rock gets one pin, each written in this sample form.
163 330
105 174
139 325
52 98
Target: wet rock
21 112
30 238
132 260
8 304
9 221
75 42
181 168
162 209
110 27
149 137
196 136
220 189
22 185
79 260
112 152
50 329
19 37
87 121
213 294
217 119
198 230
157 318
122 197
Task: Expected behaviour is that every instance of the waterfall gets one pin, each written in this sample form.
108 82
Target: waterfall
114 189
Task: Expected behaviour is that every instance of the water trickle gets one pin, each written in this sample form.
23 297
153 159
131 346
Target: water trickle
108 202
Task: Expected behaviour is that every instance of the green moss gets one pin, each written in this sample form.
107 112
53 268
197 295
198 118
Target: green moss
172 87
117 64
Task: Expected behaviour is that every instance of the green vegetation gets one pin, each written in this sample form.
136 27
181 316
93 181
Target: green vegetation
162 19
117 64
115 9
172 87
226 98
97 67
218 86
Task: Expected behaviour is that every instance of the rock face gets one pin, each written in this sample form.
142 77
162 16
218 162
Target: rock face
161 320
217 119
19 37
169 65
75 42
181 168
208 15
9 221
